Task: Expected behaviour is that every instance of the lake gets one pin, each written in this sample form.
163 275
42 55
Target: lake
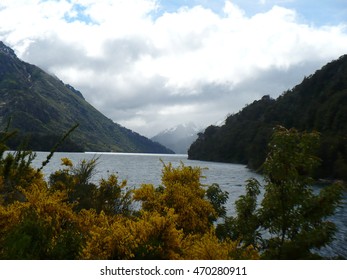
138 169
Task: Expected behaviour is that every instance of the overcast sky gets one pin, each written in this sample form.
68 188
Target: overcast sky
150 65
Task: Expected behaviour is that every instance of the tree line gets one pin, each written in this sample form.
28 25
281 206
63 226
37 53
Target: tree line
319 103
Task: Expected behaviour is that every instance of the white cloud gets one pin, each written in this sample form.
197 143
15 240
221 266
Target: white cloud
148 70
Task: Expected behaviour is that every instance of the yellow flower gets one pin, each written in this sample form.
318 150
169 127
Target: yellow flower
66 162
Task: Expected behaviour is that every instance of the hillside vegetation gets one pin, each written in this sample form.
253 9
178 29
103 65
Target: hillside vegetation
319 104
43 108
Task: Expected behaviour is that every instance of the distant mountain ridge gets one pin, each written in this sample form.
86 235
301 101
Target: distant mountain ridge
43 107
319 103
178 138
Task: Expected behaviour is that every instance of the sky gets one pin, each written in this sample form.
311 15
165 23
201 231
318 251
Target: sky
150 65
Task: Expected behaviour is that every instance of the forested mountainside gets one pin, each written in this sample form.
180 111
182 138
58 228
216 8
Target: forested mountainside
319 103
42 108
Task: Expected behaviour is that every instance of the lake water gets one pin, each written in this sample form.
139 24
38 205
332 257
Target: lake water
147 168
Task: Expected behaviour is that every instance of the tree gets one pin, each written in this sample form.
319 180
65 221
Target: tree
293 219
293 215
217 198
243 227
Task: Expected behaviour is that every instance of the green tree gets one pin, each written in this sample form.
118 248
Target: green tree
245 226
290 212
217 198
291 219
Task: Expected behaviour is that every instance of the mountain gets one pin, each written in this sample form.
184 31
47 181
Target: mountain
178 138
42 108
319 103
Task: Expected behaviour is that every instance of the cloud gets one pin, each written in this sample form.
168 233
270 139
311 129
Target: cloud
148 68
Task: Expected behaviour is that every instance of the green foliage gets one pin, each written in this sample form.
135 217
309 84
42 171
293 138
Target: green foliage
291 219
287 172
244 227
75 180
110 196
113 198
319 103
33 239
15 170
217 198
26 240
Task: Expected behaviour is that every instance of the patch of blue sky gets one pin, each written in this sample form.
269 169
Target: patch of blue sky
78 13
323 12
173 6
315 12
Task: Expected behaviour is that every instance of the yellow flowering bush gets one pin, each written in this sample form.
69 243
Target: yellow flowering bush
70 217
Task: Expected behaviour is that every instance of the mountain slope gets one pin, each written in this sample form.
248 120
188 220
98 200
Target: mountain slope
178 138
44 107
318 103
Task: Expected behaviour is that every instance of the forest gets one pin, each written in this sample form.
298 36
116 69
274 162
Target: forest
318 104
69 217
